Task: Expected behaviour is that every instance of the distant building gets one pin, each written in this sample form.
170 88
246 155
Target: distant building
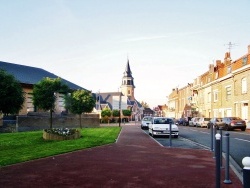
121 100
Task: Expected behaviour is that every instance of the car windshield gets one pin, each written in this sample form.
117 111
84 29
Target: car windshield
163 121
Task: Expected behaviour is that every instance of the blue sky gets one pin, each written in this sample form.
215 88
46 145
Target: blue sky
168 43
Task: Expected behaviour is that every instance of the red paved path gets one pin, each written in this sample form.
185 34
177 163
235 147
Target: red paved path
136 160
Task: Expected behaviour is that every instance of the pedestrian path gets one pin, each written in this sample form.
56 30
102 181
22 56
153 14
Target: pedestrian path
135 160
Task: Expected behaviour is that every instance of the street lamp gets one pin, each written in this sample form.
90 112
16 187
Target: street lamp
120 95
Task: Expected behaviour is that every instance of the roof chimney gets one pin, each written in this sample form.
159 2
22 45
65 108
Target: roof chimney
249 49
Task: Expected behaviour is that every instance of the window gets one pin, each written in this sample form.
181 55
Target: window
209 97
215 95
228 93
244 61
244 85
229 69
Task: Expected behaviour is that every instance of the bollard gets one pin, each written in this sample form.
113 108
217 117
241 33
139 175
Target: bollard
170 134
221 146
246 172
212 137
227 180
217 154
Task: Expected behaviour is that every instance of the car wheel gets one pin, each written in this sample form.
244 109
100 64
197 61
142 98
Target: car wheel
243 129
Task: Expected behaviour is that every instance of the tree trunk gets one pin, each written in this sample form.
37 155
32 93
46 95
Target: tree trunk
50 126
80 116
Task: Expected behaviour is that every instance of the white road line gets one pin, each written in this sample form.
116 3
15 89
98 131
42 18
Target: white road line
242 140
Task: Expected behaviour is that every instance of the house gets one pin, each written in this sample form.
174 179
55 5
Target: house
28 76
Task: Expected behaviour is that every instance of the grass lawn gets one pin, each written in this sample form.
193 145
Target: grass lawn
25 146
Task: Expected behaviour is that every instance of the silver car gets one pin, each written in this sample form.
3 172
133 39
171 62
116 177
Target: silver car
145 122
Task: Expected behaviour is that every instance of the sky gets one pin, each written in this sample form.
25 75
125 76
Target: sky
88 42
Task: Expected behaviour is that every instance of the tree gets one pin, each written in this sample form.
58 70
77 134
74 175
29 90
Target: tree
11 94
106 113
44 94
116 113
80 101
144 104
126 112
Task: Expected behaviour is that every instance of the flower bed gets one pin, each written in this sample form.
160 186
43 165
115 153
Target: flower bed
61 134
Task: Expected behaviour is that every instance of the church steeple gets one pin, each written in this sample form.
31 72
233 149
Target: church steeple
127 70
128 86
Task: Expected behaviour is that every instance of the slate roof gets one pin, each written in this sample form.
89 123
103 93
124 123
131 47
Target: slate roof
107 100
32 75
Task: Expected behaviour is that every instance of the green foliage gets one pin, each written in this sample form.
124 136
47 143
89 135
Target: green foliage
116 113
44 94
25 146
106 112
126 112
11 94
80 101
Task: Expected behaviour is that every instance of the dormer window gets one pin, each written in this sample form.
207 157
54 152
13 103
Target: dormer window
244 61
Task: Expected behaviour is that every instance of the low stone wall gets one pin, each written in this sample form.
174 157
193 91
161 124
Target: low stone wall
30 123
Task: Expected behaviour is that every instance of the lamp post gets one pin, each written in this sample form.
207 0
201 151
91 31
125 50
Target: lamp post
120 95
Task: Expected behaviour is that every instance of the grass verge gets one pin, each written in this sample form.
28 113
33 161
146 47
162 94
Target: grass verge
25 146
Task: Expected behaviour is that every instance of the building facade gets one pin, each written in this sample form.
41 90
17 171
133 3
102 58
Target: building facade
219 92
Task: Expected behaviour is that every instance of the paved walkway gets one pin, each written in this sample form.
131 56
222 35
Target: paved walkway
136 160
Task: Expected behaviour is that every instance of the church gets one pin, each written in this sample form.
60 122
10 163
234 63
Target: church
123 99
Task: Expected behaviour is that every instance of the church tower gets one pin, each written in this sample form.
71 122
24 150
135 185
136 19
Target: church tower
127 87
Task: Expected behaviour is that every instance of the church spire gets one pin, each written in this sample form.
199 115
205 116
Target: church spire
128 86
128 72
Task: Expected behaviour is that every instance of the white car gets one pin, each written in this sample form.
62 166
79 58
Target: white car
160 126
193 122
203 122
145 122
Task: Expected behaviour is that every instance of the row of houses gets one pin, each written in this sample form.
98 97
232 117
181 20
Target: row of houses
221 91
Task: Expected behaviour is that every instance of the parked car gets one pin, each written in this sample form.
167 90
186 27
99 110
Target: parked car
193 121
231 123
214 122
145 122
203 122
182 121
160 126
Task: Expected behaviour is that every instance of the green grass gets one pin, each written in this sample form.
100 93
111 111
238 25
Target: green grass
25 146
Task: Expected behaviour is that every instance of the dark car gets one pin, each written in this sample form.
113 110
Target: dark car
214 122
231 123
182 121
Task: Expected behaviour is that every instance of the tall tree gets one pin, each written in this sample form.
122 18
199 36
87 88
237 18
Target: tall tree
44 94
11 94
80 101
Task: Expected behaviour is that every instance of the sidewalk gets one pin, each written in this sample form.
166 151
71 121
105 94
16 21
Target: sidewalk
136 160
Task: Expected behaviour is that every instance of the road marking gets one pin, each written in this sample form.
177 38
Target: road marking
242 140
